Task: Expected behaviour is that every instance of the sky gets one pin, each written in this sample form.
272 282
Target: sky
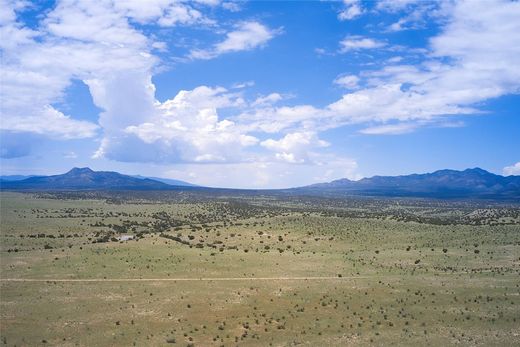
263 94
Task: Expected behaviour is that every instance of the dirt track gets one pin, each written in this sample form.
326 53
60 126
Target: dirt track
208 279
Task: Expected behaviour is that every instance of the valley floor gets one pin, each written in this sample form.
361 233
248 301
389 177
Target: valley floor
256 271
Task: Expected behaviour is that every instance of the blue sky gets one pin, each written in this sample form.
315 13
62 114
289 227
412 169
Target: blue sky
260 94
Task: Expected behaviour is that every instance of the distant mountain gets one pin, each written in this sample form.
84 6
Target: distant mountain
467 184
470 183
85 179
169 181
15 177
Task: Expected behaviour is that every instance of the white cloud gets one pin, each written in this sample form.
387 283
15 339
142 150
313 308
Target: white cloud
117 71
381 104
180 14
356 42
415 13
472 59
512 170
166 13
275 119
390 129
91 41
267 100
462 68
50 122
396 5
398 26
160 46
246 36
243 84
82 40
394 60
91 22
12 32
391 102
186 128
294 147
232 6
211 3
351 10
347 81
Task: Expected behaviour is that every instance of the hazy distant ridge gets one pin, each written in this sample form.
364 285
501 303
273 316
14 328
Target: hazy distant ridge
470 183
85 178
169 181
475 182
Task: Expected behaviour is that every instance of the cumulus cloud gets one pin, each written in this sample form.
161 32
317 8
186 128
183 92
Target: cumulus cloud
77 40
245 37
187 128
390 102
512 170
27 89
13 33
294 147
52 123
97 43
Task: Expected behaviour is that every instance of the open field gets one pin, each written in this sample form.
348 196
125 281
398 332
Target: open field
200 269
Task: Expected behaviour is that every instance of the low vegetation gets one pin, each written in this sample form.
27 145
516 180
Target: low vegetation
201 269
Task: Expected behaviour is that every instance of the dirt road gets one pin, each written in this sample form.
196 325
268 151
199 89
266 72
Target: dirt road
208 279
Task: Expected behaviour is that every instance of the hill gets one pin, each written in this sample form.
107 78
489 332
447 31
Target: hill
169 181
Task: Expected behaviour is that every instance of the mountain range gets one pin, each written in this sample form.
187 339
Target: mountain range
470 183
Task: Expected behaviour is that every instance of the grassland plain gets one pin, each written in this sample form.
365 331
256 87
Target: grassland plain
256 270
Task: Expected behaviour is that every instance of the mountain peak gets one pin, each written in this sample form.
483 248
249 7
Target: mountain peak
81 178
477 170
80 170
